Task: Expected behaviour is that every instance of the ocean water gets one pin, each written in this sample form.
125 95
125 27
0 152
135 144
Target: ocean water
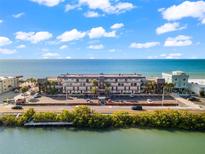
44 68
123 141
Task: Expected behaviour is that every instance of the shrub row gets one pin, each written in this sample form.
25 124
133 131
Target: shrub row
84 117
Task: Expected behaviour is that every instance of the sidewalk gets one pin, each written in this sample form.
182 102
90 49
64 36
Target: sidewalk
185 101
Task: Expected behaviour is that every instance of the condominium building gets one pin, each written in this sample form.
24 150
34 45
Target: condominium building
178 78
8 83
73 84
197 86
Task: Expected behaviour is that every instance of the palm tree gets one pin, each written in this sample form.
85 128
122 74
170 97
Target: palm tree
168 87
94 88
107 88
150 87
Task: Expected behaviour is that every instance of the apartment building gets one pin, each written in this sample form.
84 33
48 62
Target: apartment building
178 78
8 83
197 86
73 84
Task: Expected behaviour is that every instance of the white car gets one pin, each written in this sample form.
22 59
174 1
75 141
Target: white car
149 101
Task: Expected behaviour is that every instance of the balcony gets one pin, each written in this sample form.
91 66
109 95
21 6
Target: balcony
121 80
76 84
114 84
82 88
88 84
120 88
127 84
82 80
69 88
134 88
110 80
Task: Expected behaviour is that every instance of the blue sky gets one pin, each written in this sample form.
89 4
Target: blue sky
102 29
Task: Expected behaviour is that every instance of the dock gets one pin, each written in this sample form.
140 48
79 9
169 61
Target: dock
41 124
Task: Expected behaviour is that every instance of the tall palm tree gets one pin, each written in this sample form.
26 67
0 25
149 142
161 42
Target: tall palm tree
94 88
150 87
107 88
168 87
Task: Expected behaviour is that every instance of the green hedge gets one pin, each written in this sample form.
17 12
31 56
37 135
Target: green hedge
84 117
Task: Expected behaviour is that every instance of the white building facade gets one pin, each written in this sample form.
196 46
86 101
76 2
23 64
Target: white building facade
197 85
8 83
178 78
117 83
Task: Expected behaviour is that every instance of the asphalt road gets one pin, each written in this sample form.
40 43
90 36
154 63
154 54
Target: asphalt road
6 109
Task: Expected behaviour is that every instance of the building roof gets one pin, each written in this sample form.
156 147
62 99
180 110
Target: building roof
101 75
6 77
175 73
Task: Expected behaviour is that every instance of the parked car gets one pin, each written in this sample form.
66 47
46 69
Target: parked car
194 99
149 101
37 95
16 91
138 107
17 107
20 101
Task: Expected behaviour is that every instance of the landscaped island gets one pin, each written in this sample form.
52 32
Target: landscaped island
84 117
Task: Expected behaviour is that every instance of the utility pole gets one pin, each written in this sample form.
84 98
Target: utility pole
163 96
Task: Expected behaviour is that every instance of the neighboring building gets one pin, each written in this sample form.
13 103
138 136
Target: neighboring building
197 85
44 84
8 83
81 84
159 84
178 78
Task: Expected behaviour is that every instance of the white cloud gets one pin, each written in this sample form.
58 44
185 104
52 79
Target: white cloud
63 47
185 9
96 46
203 21
49 3
21 46
169 27
152 57
68 57
1 20
91 14
18 15
91 57
70 7
72 35
51 55
4 41
33 37
144 45
117 26
112 50
171 55
106 6
180 40
122 7
98 32
7 51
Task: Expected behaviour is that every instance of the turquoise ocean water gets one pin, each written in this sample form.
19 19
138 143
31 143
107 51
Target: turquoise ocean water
43 68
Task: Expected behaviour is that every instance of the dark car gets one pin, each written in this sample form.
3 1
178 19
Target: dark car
17 107
194 99
138 107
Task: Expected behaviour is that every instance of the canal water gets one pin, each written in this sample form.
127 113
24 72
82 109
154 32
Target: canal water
124 141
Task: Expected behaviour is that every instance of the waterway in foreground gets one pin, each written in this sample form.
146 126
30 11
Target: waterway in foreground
124 141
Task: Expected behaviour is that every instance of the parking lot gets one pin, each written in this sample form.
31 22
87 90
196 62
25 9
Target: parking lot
141 99
7 95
